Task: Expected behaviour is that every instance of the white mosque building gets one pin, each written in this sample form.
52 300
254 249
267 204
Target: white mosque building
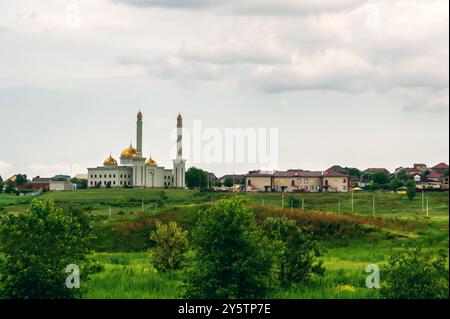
137 171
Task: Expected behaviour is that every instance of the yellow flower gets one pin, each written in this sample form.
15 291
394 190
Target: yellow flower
348 288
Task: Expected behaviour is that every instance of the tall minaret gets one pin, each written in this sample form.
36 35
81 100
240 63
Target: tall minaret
180 137
139 134
179 164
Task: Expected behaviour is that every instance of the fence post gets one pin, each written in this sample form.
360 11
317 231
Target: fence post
373 206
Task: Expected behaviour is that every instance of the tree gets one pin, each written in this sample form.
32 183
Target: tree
446 173
232 257
196 178
9 187
38 246
170 246
413 274
21 180
161 201
395 184
411 190
2 184
228 182
299 252
380 178
352 171
402 175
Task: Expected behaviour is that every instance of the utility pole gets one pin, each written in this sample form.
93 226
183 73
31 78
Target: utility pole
292 204
428 215
110 213
339 205
142 204
282 199
353 203
423 198
303 204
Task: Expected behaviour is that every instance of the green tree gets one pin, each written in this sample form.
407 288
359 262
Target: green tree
196 178
9 187
228 182
162 200
352 171
170 246
21 180
402 175
299 252
2 184
413 274
446 173
37 246
232 257
395 184
411 190
380 178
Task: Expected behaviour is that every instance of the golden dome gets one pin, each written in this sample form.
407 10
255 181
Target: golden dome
129 152
150 161
139 116
179 117
110 161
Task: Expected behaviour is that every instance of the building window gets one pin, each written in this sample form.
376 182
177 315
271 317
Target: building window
306 181
121 183
293 183
95 175
344 188
249 182
92 183
114 182
344 181
114 175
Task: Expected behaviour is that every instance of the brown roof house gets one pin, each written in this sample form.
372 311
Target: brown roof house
297 181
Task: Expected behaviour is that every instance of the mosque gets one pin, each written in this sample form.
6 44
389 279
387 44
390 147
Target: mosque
137 171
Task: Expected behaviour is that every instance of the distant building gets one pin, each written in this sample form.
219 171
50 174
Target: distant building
238 179
39 183
440 168
335 182
258 181
297 181
420 167
61 186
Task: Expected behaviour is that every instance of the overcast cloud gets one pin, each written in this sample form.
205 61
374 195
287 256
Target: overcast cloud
380 67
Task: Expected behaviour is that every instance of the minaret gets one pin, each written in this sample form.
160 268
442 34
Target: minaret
179 164
180 137
139 134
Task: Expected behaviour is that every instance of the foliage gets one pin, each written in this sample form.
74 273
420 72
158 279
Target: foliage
37 246
299 252
352 171
228 182
294 202
196 178
374 186
2 184
162 200
380 178
170 246
21 179
402 175
413 274
411 190
233 258
10 187
396 184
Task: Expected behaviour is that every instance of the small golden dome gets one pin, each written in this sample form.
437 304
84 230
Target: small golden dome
139 116
129 152
150 161
110 161
179 117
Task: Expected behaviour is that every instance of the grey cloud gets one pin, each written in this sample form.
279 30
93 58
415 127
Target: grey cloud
249 7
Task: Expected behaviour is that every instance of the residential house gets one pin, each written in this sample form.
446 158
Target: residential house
238 179
258 181
335 182
440 168
39 183
297 181
374 170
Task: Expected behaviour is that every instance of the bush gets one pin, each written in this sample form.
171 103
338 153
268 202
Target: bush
232 257
412 274
171 245
37 246
299 252
411 190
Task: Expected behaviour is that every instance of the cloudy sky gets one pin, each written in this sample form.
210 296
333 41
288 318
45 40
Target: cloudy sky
351 82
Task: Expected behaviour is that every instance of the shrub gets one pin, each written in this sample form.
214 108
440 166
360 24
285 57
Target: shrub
171 245
411 190
37 246
232 257
299 252
412 274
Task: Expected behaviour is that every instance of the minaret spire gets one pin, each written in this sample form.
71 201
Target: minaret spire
139 126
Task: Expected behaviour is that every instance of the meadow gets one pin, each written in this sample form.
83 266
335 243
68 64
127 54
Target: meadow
352 238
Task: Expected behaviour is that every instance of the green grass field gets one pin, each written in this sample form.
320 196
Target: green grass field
123 237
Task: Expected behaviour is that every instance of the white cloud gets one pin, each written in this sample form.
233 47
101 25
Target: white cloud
4 169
